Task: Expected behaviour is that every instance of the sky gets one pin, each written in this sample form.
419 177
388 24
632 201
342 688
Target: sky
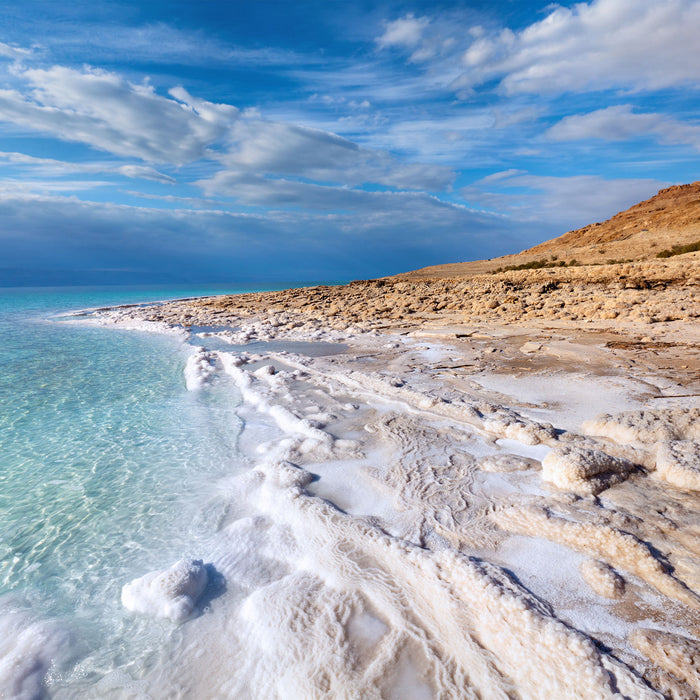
306 140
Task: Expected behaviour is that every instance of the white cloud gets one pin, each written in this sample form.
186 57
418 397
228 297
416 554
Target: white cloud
406 32
7 51
49 166
590 46
107 112
278 164
281 193
145 172
559 204
619 123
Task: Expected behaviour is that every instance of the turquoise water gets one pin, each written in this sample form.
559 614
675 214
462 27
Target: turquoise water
107 465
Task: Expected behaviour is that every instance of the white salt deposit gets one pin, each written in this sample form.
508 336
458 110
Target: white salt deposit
602 578
678 463
584 470
647 426
674 653
27 650
396 564
172 593
200 367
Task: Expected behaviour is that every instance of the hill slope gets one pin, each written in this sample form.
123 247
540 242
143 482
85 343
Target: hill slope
669 218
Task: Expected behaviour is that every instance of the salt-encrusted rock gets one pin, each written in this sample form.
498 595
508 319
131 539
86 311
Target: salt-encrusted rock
171 593
679 655
583 469
647 426
602 578
507 463
678 463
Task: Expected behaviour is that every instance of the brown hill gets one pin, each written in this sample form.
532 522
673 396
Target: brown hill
670 218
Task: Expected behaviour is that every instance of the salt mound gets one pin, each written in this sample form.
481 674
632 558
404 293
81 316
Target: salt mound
27 649
602 578
583 469
199 368
678 462
647 426
171 593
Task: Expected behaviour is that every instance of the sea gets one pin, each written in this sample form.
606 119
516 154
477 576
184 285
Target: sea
106 468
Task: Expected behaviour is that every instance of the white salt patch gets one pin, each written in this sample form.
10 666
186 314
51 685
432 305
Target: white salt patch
201 365
647 426
602 578
532 452
171 593
564 399
583 470
27 649
678 463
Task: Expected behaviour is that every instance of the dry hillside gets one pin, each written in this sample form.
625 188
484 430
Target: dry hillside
670 218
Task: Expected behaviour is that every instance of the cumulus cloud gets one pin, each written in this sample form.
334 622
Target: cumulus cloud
105 111
591 46
559 203
620 122
406 32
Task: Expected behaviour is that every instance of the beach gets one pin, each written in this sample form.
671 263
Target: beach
482 487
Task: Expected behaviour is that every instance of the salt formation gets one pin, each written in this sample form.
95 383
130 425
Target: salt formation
463 626
598 539
584 470
678 655
26 650
647 426
602 578
171 593
678 463
199 368
454 572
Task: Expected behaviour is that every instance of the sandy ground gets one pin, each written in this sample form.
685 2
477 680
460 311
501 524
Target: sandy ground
496 482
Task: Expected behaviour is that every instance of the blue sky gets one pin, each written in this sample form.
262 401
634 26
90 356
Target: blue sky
280 141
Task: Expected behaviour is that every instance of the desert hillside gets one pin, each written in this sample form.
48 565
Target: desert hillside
670 218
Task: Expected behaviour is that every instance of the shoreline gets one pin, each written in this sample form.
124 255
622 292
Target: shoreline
519 458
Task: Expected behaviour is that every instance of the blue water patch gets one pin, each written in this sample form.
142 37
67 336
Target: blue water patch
107 465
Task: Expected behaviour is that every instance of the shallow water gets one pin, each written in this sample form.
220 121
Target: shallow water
106 462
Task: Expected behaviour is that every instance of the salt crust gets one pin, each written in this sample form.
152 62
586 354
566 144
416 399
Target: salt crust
678 463
621 549
479 631
647 426
678 655
583 470
491 418
473 626
27 648
200 367
349 560
602 578
172 593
